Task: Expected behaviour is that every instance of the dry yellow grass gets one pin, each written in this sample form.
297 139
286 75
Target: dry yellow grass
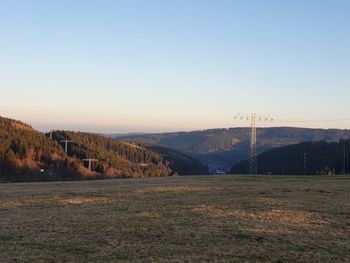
10 204
173 189
271 202
300 218
177 219
83 201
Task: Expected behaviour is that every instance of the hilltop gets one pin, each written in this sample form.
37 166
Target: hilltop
25 152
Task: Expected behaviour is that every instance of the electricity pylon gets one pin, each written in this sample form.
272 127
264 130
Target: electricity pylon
253 118
90 161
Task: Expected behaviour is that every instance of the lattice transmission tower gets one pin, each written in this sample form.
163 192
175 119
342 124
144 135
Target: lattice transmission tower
253 118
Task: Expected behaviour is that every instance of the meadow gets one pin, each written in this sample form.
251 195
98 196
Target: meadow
177 219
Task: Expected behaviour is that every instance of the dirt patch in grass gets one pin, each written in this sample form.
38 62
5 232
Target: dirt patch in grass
271 202
284 217
269 230
10 204
173 189
52 201
79 200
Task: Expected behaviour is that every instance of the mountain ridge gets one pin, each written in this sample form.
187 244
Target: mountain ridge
221 148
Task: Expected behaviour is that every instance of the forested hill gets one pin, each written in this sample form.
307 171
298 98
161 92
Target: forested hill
115 159
28 155
178 161
222 148
24 152
304 158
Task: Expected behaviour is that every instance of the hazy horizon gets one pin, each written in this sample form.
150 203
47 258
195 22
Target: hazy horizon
107 131
161 66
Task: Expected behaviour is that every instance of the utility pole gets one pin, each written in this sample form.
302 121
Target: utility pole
50 134
305 154
90 162
253 117
66 144
344 158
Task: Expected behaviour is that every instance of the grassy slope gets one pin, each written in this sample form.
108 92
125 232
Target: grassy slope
178 219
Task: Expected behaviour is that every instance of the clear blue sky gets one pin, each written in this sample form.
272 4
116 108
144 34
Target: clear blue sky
123 66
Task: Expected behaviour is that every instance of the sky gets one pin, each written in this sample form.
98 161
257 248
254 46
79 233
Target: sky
171 65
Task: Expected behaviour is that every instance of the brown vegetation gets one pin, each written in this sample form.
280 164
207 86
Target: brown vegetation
21 126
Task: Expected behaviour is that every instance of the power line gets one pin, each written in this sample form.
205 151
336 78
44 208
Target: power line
326 120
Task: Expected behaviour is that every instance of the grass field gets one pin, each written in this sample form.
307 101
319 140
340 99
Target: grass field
177 219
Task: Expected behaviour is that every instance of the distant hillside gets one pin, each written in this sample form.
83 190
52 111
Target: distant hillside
179 162
222 148
28 155
320 158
